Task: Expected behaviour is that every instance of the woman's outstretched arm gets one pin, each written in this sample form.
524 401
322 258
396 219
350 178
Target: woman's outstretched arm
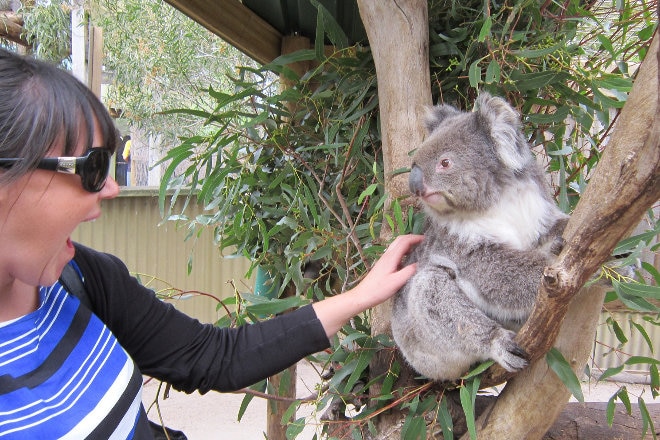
384 279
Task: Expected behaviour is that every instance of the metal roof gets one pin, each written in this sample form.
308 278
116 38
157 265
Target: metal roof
299 17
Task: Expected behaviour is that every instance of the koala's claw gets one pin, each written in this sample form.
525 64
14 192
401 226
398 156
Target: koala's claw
557 245
509 354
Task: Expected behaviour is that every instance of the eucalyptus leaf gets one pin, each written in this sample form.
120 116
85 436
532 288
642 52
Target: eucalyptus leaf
642 331
445 420
275 306
475 74
611 372
478 369
364 358
485 29
536 53
468 395
293 428
367 192
563 370
647 421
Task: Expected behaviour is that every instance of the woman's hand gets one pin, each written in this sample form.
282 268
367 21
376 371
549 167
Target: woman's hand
384 279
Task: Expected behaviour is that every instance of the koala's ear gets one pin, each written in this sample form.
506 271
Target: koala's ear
504 125
437 114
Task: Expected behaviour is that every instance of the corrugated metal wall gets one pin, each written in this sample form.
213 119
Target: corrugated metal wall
129 229
605 353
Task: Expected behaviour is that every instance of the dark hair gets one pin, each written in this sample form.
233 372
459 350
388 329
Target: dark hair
41 104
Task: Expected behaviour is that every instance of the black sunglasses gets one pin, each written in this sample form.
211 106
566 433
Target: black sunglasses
93 167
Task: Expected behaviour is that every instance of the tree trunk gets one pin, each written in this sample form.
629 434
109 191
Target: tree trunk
139 158
398 36
284 385
626 183
402 92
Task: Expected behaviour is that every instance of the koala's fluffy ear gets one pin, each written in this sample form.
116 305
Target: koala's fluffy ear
504 124
437 114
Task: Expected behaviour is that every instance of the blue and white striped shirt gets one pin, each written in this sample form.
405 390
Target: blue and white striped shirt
64 375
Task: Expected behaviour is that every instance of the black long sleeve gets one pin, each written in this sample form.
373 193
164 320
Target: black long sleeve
170 346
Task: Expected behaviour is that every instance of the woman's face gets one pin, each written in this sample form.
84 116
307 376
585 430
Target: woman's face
38 213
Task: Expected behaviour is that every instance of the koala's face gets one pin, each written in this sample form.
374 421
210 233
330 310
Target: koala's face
468 157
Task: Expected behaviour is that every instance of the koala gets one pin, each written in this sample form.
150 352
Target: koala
491 227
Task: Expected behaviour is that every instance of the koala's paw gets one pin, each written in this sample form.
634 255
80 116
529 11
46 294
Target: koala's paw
557 246
507 353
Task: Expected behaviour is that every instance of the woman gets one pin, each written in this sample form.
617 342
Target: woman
72 371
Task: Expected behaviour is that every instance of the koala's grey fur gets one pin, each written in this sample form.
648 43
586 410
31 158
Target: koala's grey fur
492 226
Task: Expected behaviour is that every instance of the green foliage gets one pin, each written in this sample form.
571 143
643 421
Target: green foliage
287 176
563 370
640 294
48 27
157 59
559 62
294 177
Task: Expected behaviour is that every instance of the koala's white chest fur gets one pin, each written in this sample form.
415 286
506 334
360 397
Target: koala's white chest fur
520 217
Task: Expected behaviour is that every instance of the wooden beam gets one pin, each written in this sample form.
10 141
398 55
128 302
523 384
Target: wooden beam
235 24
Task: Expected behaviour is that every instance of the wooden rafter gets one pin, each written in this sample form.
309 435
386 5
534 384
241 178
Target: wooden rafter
235 24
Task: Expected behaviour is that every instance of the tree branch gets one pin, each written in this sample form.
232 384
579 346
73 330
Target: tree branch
11 28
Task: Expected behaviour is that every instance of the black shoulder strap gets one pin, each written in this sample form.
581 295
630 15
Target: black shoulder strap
73 283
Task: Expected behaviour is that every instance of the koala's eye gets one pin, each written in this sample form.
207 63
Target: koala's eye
444 164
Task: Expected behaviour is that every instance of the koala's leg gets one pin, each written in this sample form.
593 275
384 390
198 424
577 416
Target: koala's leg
487 339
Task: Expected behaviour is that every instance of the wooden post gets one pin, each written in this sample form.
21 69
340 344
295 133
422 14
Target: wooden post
95 60
78 44
284 384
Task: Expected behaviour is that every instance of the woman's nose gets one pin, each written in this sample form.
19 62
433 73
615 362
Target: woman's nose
110 189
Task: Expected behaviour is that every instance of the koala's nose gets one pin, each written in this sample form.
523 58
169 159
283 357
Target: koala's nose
416 181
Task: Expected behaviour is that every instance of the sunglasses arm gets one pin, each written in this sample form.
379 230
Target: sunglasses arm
59 164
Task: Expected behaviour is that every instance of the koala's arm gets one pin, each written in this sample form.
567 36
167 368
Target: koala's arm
553 241
504 282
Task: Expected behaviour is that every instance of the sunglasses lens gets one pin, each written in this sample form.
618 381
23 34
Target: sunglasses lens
96 168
